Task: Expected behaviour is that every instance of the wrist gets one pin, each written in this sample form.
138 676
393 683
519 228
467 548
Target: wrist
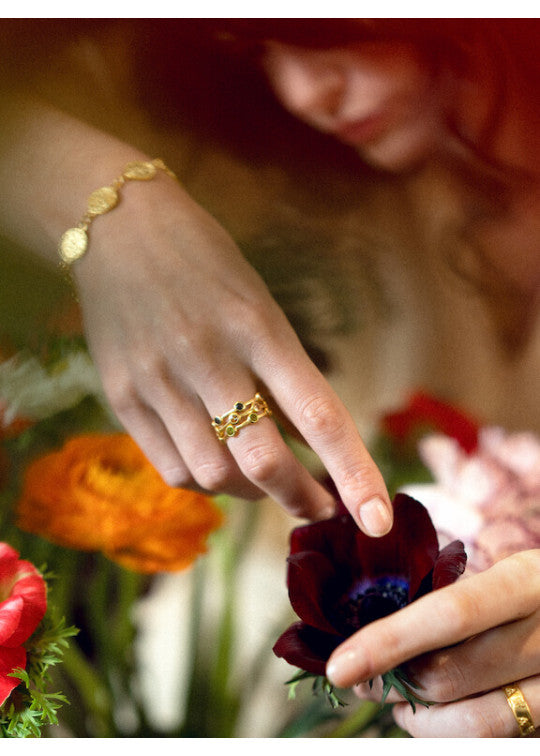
74 241
122 240
46 192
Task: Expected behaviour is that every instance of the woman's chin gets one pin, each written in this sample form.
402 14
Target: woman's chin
399 151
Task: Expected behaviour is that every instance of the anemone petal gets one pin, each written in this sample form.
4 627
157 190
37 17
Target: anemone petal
334 537
306 647
450 564
309 577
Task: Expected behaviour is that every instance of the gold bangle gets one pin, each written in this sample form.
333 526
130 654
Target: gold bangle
74 241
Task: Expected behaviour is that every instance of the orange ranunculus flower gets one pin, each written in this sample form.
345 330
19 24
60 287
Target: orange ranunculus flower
100 493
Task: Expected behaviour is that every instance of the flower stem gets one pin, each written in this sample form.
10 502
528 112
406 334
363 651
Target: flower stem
358 721
94 694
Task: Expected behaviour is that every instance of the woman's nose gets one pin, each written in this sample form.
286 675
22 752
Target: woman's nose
310 91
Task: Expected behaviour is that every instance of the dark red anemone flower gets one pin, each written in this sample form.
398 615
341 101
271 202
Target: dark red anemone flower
340 579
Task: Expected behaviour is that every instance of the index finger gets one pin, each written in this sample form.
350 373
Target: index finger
320 416
442 618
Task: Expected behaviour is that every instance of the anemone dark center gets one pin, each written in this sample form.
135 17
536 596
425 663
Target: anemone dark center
370 600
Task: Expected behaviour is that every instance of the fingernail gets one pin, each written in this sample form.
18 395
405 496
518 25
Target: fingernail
375 517
339 668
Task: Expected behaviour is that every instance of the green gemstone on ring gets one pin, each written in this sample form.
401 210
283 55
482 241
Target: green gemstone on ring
230 430
253 417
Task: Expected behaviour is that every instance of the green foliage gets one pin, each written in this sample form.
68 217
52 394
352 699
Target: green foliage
31 706
399 465
397 678
320 685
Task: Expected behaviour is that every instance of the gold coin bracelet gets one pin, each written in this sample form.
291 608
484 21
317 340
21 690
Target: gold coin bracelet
242 414
74 241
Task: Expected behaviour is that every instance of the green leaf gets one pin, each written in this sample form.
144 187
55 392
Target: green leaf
397 678
320 685
32 706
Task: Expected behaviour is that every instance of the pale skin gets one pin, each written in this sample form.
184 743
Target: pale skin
471 638
465 642
181 327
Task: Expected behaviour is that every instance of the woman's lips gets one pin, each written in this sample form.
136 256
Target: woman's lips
362 131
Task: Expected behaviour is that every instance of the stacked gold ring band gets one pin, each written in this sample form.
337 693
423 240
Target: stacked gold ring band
520 710
243 413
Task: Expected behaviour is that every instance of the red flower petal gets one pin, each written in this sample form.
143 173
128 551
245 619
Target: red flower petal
32 589
309 576
306 647
25 597
334 537
339 578
10 659
8 567
416 538
425 413
450 565
409 549
10 616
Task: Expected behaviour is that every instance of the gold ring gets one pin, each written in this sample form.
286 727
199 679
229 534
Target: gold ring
520 710
243 413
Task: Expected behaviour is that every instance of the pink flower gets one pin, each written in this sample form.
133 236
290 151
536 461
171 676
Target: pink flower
23 601
489 497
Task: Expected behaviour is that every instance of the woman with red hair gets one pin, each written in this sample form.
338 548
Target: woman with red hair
186 333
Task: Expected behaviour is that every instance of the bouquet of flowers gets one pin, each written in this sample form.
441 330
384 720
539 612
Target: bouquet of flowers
78 496
91 537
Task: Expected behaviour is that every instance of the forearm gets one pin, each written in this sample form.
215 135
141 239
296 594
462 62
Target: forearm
49 163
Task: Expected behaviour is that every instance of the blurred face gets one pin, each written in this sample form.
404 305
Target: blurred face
376 97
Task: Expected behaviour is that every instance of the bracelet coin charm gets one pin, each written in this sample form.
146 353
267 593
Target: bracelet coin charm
74 242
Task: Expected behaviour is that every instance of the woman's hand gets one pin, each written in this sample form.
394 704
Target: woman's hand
460 644
179 324
181 327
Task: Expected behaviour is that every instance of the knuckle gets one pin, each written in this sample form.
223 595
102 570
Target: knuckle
151 367
122 394
192 341
213 475
176 477
509 572
255 329
458 609
358 481
296 508
252 316
320 419
443 678
261 463
527 562
478 723
208 368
